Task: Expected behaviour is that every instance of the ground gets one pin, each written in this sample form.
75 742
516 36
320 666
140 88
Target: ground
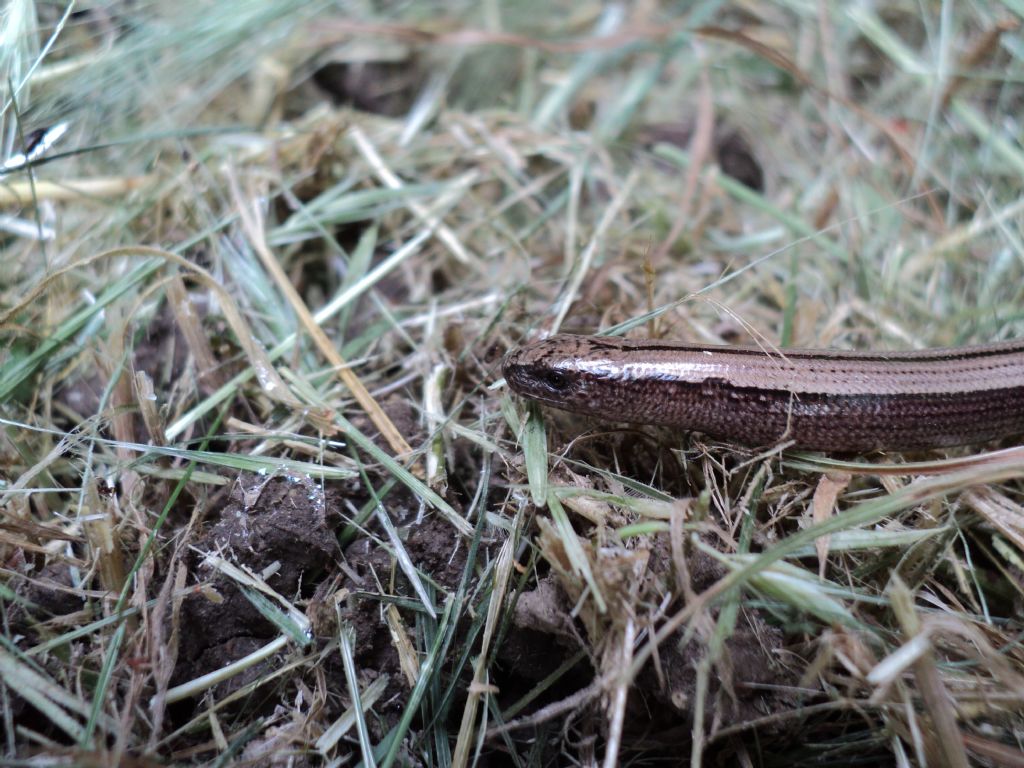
266 498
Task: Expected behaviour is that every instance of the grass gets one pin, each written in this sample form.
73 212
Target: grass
265 497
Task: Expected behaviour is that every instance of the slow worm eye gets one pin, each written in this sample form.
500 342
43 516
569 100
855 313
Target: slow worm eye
556 380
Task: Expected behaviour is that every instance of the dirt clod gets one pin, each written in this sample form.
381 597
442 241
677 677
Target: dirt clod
275 528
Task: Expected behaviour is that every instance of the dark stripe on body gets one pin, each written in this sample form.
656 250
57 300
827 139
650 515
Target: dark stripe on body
813 421
925 355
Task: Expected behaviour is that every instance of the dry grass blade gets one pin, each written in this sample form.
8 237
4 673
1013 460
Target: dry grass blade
20 194
345 28
46 695
478 689
1003 513
367 699
287 344
866 513
254 233
566 551
944 730
429 220
825 495
345 642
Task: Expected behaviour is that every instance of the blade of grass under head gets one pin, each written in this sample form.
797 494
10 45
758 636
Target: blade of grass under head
660 507
535 454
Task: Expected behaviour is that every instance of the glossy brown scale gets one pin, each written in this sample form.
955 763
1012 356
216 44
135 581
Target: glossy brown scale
815 399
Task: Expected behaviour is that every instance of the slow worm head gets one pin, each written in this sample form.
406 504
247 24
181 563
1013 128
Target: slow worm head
814 399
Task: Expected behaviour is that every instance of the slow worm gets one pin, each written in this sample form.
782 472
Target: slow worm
814 399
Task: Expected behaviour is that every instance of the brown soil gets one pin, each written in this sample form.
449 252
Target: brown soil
279 523
286 528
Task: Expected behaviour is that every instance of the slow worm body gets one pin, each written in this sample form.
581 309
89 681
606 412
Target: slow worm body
813 399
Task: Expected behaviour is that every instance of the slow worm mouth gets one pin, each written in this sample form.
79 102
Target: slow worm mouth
521 382
513 379
512 370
